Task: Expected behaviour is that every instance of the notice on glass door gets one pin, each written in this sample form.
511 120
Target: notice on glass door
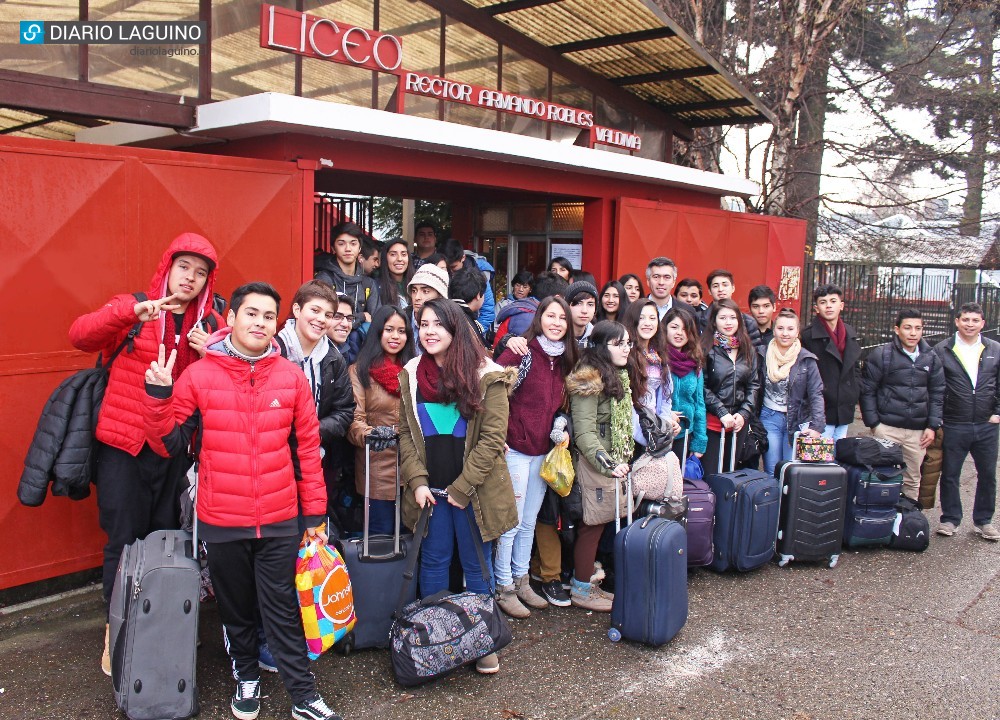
572 252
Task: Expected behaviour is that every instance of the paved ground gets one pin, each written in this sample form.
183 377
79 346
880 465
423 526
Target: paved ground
885 634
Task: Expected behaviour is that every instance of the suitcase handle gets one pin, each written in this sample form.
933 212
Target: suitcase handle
365 550
722 450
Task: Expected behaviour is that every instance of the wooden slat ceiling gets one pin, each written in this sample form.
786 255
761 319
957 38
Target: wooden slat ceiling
633 44
629 42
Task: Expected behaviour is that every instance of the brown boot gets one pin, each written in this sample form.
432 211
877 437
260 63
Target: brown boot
528 596
509 602
106 657
588 597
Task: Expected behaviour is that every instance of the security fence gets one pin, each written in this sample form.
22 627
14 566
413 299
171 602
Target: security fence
875 293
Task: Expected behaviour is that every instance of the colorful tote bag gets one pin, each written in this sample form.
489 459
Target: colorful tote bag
325 596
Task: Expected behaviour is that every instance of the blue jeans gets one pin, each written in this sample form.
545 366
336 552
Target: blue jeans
835 432
381 517
778 447
961 439
447 526
514 546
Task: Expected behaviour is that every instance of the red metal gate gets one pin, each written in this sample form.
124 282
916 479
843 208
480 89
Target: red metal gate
79 223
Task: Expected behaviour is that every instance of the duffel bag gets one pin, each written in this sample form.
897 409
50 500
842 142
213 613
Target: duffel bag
867 450
911 531
436 635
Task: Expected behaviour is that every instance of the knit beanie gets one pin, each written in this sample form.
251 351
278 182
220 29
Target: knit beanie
579 288
433 277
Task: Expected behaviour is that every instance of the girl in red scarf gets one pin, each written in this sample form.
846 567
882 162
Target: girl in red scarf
375 379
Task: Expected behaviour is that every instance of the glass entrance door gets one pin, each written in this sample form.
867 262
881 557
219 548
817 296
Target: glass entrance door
530 252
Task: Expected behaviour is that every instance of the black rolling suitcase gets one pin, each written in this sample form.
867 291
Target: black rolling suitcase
651 598
153 622
813 502
375 564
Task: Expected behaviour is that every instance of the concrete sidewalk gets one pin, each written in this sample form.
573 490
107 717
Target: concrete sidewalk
885 634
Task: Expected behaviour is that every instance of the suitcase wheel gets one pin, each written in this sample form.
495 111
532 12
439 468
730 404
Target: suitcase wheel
614 635
833 560
345 645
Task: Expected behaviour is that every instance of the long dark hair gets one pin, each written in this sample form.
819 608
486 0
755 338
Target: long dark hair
462 360
638 376
623 301
746 349
388 291
632 276
692 347
597 356
371 352
570 353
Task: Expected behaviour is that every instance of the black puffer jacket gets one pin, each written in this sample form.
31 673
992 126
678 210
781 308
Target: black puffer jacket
62 448
731 387
901 392
962 402
841 378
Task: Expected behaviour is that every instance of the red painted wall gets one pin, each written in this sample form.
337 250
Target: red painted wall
753 247
79 223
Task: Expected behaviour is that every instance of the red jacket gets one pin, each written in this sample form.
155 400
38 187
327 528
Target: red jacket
120 421
247 475
535 402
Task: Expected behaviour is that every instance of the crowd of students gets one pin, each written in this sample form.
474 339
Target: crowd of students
408 346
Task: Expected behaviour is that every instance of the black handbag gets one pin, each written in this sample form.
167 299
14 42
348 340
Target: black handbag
868 451
436 635
911 531
753 441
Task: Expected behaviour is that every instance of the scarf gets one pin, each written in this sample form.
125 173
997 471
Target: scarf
680 362
780 364
839 336
552 348
227 345
727 342
386 374
429 378
622 442
310 366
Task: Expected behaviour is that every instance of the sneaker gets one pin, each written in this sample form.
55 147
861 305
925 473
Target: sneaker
987 532
106 657
555 594
246 700
601 592
588 597
314 709
527 595
265 660
508 601
946 528
488 664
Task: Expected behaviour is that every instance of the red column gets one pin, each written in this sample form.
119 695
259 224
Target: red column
598 237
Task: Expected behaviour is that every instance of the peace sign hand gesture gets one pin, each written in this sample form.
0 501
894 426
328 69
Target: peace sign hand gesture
149 310
159 372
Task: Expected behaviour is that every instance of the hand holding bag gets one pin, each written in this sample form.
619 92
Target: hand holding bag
557 469
325 598
436 635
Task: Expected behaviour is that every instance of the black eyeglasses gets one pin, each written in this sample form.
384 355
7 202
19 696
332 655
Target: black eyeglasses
340 317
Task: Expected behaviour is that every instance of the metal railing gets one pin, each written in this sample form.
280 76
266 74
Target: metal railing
874 294
331 210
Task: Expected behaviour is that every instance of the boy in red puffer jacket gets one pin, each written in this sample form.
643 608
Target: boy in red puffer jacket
137 490
259 464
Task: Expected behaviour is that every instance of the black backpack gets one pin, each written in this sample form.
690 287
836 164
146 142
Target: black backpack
911 531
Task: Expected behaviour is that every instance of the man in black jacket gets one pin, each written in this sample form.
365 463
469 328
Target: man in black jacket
902 394
971 420
836 347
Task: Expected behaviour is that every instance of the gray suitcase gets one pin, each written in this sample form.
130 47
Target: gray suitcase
154 627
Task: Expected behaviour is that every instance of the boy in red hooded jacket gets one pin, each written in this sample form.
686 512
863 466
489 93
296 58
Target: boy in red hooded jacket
259 466
137 490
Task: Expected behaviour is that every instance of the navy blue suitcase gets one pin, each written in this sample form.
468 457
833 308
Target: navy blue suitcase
746 515
651 597
813 498
375 565
871 505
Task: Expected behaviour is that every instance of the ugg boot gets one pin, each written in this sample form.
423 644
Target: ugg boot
510 604
587 596
106 657
527 595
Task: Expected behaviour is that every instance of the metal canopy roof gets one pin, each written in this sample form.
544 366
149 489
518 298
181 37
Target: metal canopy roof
633 44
